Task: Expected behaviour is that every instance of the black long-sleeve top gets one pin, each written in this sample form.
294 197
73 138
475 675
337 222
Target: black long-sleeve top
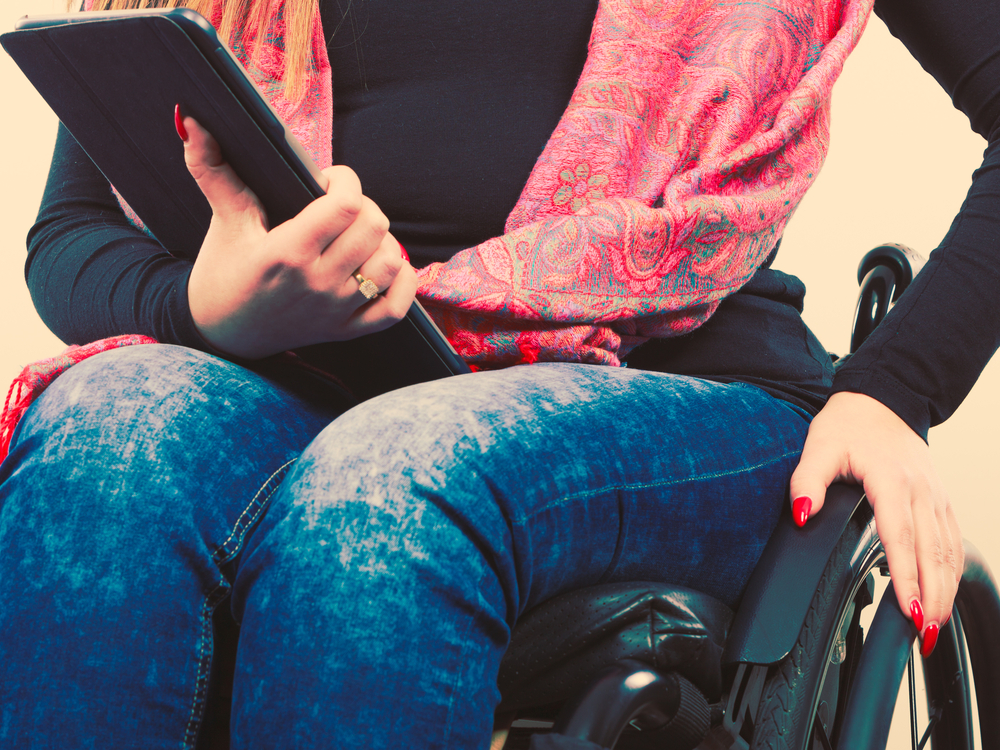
924 358
442 111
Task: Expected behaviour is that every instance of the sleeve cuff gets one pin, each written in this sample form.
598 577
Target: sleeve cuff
182 328
907 405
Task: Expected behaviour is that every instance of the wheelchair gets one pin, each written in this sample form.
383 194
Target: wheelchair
802 664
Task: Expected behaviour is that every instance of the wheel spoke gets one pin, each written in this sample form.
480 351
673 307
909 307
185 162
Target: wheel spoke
820 733
930 727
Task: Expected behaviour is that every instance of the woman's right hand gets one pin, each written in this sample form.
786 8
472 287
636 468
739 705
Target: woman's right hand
256 291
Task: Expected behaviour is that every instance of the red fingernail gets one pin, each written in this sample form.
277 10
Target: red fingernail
179 123
917 613
946 618
402 251
930 640
801 506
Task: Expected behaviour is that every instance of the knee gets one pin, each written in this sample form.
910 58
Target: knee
440 440
161 404
401 482
140 437
89 451
133 388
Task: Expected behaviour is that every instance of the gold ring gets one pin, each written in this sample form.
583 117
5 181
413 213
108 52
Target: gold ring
367 287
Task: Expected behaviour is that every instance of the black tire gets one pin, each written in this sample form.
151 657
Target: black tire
794 690
805 696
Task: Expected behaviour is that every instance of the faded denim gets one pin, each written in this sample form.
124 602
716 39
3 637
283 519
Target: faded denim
376 561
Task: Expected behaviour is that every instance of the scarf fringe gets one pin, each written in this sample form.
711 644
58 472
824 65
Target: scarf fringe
36 377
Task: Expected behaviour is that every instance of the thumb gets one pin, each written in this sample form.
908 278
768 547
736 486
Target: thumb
226 193
816 471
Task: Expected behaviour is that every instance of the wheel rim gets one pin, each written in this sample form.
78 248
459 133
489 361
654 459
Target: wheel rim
830 704
941 716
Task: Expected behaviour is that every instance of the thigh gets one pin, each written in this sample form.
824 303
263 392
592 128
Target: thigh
151 436
645 476
415 529
565 474
129 489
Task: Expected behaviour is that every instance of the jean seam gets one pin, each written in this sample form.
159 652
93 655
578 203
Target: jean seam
462 660
204 663
660 484
251 513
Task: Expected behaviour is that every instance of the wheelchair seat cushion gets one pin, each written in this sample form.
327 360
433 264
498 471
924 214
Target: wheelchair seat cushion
562 644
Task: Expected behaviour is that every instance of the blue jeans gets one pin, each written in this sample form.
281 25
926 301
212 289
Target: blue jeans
376 560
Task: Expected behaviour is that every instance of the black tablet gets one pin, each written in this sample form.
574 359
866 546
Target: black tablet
113 78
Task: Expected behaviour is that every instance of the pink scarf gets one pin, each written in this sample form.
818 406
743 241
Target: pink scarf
692 135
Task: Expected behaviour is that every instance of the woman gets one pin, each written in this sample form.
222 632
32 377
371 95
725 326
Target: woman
151 484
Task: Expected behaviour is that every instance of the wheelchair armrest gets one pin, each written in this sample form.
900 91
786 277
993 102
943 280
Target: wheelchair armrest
777 598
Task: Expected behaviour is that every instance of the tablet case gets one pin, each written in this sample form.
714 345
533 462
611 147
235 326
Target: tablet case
114 83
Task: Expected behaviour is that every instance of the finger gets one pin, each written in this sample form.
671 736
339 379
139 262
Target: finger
894 520
226 193
938 578
959 546
327 217
959 554
305 238
357 243
388 308
936 558
930 549
819 466
954 555
383 265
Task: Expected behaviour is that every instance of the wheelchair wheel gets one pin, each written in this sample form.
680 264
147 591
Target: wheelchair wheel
801 694
838 685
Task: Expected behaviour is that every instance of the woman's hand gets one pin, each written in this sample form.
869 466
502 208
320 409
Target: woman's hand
256 291
857 439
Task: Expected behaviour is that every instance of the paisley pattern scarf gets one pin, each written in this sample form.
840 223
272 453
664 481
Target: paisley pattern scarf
692 135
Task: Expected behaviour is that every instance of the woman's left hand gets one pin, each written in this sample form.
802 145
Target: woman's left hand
858 439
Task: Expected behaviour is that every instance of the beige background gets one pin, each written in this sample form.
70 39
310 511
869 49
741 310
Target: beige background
898 170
